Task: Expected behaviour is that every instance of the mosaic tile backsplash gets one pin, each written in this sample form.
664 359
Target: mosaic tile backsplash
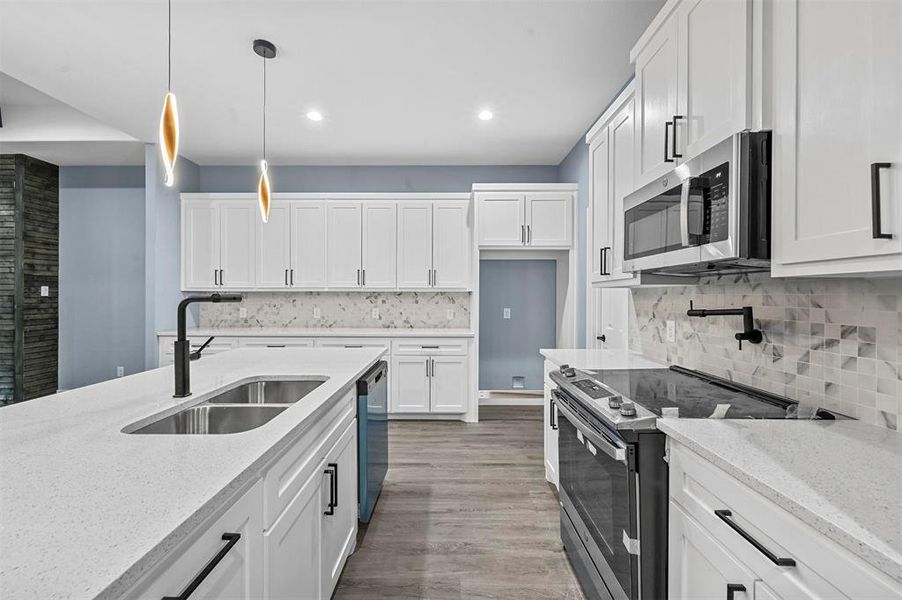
342 309
830 342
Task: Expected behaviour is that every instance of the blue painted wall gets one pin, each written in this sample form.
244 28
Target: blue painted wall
575 169
101 285
510 347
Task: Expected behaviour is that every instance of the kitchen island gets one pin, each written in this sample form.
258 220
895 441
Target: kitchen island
89 511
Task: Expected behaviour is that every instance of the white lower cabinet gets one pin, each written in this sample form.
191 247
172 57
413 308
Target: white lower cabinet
339 503
410 384
430 378
549 428
448 384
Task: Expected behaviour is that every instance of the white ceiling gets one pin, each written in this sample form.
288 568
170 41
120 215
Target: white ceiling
399 82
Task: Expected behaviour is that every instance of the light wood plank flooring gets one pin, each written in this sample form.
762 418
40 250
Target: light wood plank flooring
465 513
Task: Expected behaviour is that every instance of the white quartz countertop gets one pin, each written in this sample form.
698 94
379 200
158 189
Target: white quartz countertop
844 478
85 509
388 332
600 359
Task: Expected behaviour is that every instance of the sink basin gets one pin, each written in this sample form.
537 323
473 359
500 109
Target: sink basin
211 419
267 392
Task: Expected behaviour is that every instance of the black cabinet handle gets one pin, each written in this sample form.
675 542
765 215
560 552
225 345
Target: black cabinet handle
221 276
286 276
231 539
724 515
732 588
876 228
215 277
332 472
291 276
673 151
603 270
601 338
552 418
667 127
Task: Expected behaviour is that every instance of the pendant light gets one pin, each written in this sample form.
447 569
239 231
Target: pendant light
265 50
169 119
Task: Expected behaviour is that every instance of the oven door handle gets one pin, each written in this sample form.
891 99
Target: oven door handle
684 212
607 446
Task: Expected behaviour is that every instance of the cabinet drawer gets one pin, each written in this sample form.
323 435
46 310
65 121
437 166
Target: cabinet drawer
823 568
331 342
275 342
237 575
286 476
430 346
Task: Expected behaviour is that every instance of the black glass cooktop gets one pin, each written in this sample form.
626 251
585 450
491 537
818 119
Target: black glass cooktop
696 395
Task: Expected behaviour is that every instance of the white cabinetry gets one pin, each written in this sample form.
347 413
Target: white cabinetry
380 241
549 428
430 376
218 244
344 239
838 137
541 218
434 245
308 244
410 384
361 242
339 502
273 256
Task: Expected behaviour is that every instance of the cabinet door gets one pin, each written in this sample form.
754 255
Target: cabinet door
291 547
414 244
837 90
699 567
308 245
599 186
344 235
238 229
339 530
451 251
550 434
380 245
656 95
273 256
410 384
549 220
200 244
501 219
449 384
714 73
239 575
622 177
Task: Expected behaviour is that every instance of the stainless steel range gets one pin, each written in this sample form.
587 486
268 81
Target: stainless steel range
613 473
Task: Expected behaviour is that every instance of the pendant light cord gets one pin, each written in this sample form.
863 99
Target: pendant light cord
264 108
169 50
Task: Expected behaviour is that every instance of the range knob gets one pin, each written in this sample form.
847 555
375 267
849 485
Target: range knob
568 371
614 402
628 409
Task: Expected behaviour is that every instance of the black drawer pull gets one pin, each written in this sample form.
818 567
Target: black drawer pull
231 539
876 227
552 418
332 472
667 127
732 588
724 515
673 151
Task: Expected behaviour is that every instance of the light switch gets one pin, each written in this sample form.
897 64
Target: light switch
45 291
507 313
317 313
375 313
450 314
242 313
120 371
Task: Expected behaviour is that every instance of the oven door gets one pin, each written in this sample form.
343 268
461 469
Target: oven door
598 493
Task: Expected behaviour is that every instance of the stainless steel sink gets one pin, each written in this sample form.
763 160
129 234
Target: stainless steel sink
267 392
212 420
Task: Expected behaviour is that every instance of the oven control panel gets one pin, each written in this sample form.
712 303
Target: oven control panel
592 389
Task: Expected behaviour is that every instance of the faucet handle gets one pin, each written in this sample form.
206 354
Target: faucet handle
196 354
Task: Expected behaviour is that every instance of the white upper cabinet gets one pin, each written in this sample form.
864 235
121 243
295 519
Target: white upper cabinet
273 256
548 219
308 244
452 248
540 218
502 219
657 69
380 245
415 244
622 178
200 244
714 81
238 234
344 238
599 193
838 137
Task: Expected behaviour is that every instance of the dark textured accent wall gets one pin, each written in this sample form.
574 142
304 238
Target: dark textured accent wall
29 259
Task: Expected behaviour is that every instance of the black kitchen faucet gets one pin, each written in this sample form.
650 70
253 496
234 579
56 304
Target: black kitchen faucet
183 354
748 333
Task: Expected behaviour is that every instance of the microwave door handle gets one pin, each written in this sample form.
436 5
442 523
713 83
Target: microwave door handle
684 212
616 452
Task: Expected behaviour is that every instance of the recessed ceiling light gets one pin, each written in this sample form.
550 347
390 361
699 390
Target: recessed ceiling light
315 115
486 115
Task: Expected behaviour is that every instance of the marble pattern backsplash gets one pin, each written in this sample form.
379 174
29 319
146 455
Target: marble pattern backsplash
410 310
836 343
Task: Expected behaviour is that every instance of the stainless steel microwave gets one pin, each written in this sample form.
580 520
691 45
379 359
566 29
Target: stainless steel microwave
709 215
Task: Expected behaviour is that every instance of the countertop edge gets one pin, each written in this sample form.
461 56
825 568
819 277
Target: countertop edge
389 332
220 500
857 546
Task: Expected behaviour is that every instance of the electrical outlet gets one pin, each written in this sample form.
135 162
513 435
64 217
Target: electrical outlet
450 315
506 313
45 291
120 371
671 331
317 313
375 313
242 313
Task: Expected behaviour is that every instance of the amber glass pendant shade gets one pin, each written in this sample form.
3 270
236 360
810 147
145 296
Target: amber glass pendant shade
169 136
263 191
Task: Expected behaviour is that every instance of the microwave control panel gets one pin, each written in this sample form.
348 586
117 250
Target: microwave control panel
717 202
